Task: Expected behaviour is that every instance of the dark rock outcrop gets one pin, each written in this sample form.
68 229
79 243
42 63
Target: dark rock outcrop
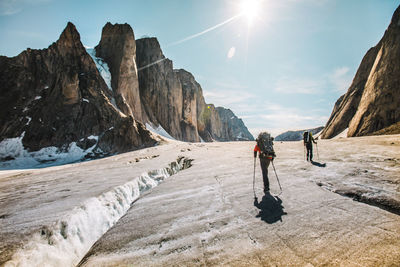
160 88
373 99
193 104
56 96
118 48
296 135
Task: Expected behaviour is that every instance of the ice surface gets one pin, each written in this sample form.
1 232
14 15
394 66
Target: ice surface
159 130
66 241
205 215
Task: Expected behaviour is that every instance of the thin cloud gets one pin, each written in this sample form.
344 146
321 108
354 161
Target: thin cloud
341 79
226 97
288 85
277 119
231 85
338 80
12 7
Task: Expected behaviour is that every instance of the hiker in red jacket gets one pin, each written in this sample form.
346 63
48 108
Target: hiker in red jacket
266 152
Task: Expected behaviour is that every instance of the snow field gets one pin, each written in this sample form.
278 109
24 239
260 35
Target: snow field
47 156
66 241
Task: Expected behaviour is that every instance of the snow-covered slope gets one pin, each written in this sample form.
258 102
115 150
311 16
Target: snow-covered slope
205 215
20 158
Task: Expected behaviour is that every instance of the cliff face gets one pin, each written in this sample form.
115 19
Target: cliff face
118 49
193 104
373 100
380 103
174 100
56 96
60 97
160 88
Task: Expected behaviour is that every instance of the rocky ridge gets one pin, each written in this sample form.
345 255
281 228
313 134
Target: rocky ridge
297 135
174 99
372 102
60 99
56 98
146 86
117 47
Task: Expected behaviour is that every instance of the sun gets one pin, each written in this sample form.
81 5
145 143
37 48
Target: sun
249 9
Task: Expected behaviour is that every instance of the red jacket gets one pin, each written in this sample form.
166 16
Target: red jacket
257 149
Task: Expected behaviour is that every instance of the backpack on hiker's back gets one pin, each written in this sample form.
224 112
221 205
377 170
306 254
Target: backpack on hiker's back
307 137
265 143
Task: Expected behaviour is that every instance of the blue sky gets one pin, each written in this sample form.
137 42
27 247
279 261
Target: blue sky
283 71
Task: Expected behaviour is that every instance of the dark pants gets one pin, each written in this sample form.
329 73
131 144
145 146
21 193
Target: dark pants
309 151
264 162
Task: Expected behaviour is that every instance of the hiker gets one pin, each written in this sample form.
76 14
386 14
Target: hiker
308 139
266 152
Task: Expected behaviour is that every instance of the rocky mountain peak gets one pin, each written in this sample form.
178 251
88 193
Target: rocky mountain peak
118 49
56 99
149 50
372 102
395 22
117 29
70 38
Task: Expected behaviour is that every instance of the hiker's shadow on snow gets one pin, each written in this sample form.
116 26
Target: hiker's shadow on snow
315 163
271 209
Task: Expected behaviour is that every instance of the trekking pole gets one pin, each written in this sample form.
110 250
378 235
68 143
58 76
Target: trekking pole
316 145
304 150
254 178
273 165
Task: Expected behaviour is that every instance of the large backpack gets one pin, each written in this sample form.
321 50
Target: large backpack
265 143
306 137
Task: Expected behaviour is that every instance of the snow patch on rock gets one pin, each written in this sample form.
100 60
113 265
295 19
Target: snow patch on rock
18 157
102 66
159 130
342 134
29 120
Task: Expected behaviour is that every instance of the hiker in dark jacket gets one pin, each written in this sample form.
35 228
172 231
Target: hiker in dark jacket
308 139
265 160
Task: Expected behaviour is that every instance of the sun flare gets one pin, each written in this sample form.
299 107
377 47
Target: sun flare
249 9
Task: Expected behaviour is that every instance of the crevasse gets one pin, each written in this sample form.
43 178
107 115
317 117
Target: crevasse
66 241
